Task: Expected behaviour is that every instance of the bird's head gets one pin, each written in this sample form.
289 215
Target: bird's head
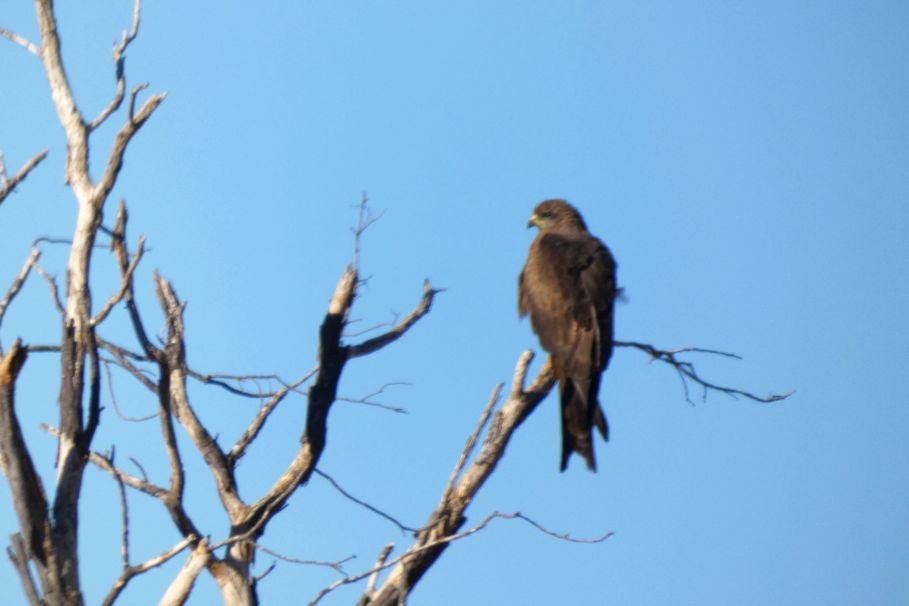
556 215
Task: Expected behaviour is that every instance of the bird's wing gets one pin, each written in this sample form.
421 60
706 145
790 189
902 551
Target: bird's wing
562 314
596 269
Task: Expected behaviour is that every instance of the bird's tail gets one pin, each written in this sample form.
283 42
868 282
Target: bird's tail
579 415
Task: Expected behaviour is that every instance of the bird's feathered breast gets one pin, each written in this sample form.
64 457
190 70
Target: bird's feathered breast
568 288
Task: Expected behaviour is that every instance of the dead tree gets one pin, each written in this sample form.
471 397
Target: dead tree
47 542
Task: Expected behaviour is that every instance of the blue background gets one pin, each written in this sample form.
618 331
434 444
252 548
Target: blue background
746 162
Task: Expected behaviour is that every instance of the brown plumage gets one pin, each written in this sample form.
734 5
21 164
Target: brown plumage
568 287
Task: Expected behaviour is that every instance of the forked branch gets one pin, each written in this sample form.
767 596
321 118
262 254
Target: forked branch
119 53
687 371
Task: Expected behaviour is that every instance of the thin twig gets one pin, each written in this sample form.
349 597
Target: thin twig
124 514
132 571
362 503
366 400
239 449
470 445
565 536
687 371
119 52
449 539
221 380
100 461
125 285
376 343
359 333
337 566
113 398
141 375
54 291
365 218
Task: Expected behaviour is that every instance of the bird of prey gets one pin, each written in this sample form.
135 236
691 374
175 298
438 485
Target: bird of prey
568 286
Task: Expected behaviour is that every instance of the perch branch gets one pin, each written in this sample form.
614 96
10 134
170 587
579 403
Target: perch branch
448 517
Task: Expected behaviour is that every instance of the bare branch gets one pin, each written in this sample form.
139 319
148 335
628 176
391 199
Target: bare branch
113 399
124 515
180 588
123 362
337 566
118 53
364 220
382 565
54 291
118 243
126 133
564 536
8 185
175 374
687 371
21 41
377 343
19 557
223 381
332 358
348 334
374 578
70 118
17 283
102 462
42 348
16 463
239 449
471 443
132 571
362 503
125 285
367 399
449 515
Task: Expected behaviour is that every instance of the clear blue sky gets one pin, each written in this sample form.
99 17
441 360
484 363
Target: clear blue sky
747 163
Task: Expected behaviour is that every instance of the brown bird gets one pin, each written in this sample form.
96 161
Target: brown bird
568 286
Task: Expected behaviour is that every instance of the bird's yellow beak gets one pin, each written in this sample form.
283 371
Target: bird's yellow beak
533 221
